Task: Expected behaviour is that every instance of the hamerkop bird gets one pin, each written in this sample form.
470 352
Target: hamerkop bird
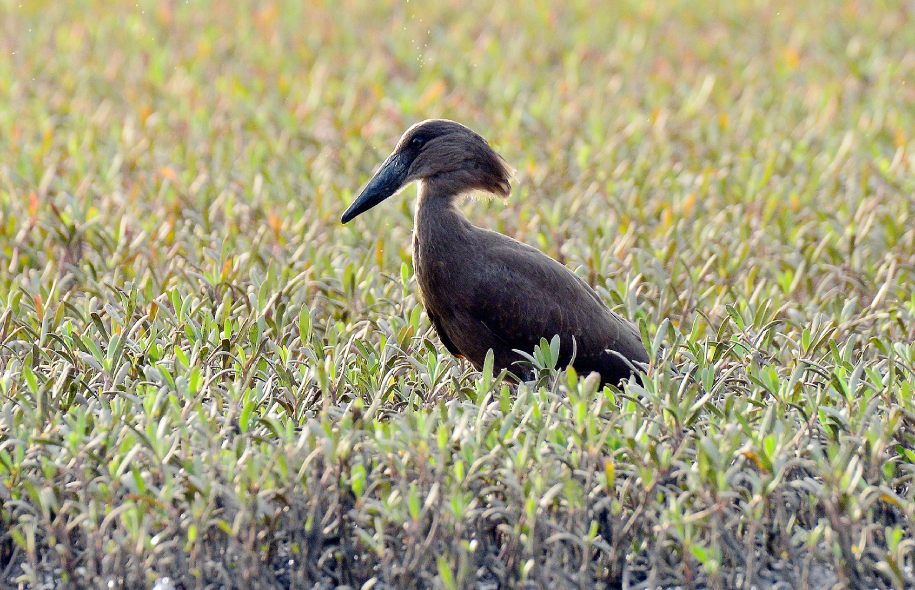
483 290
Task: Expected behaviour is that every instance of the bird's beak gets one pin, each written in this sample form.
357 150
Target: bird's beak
389 179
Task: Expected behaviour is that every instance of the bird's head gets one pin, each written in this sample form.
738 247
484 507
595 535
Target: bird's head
447 155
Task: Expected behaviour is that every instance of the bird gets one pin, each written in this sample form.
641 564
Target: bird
483 290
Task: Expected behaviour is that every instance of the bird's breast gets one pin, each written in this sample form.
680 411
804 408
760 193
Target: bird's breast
435 274
423 265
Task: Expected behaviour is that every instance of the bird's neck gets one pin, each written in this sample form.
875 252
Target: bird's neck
437 215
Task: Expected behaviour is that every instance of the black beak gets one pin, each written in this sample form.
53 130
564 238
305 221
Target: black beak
388 180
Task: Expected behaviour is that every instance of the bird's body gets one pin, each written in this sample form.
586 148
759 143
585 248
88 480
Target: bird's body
483 290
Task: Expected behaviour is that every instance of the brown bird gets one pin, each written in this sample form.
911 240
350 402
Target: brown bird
483 290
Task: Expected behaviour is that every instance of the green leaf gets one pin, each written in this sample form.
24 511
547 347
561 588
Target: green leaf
444 573
413 505
244 421
357 479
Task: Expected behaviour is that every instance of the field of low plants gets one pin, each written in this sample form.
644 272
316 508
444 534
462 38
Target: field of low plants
206 381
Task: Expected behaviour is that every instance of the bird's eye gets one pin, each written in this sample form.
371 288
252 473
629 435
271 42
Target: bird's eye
417 141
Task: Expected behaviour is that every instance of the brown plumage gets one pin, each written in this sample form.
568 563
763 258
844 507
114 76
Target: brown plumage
483 290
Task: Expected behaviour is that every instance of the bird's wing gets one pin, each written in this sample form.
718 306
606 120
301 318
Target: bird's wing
523 295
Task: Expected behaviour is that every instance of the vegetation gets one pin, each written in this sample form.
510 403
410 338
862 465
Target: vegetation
205 377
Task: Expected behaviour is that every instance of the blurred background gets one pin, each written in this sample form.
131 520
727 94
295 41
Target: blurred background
647 136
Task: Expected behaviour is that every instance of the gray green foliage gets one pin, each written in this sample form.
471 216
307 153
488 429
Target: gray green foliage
204 376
